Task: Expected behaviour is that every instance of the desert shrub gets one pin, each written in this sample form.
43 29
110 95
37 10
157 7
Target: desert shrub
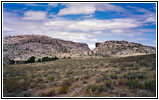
114 66
113 76
15 88
101 64
54 83
91 88
84 82
50 93
122 81
144 93
100 79
133 83
123 69
69 73
102 88
11 62
109 84
39 80
69 57
95 88
51 78
24 85
63 90
25 94
150 85
134 76
11 85
103 78
66 83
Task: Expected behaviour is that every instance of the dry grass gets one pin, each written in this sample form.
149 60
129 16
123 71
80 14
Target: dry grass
83 77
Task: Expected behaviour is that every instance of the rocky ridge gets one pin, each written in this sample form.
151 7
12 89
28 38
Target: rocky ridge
118 48
22 47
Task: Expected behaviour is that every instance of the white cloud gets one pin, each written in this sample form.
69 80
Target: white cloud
88 8
93 24
7 29
93 40
150 19
147 17
75 8
117 31
109 7
34 15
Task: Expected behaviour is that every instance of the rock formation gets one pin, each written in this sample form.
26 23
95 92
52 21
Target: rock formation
121 48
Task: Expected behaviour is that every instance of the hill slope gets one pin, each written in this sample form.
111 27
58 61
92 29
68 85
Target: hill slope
24 46
118 48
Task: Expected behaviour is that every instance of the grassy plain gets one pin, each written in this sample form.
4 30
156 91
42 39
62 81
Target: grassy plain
133 76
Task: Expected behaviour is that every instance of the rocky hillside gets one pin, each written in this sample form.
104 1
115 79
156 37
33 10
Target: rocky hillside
121 48
24 46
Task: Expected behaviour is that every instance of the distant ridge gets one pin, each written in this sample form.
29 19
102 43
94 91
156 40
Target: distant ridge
22 47
121 48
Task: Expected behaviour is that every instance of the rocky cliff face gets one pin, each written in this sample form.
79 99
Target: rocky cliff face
24 46
121 48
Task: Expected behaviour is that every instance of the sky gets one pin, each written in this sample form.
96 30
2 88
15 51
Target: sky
83 22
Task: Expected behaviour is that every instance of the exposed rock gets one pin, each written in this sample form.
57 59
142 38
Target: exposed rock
121 48
22 47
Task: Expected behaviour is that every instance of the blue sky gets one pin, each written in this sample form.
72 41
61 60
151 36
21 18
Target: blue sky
83 22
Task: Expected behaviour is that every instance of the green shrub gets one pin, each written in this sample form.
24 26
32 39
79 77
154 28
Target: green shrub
11 62
53 58
133 83
45 59
134 76
39 60
30 60
150 85
49 59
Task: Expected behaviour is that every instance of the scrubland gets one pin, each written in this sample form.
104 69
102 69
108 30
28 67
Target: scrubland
133 76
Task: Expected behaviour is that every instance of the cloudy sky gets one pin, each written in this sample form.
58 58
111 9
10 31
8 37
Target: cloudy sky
83 22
